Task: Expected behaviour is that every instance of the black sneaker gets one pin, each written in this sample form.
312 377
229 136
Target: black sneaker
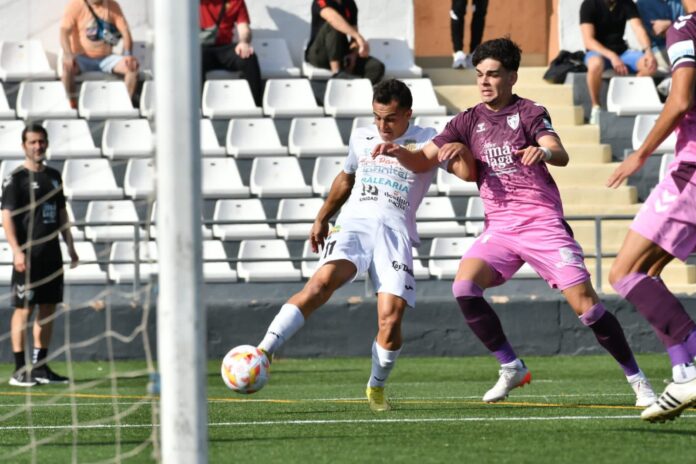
22 378
44 375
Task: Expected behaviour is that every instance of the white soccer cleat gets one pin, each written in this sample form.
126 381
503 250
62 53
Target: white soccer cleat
510 377
671 403
645 396
460 60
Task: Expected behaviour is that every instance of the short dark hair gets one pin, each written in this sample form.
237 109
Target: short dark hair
34 127
504 50
392 89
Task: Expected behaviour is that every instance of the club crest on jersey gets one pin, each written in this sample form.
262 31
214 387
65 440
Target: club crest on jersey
514 121
481 127
410 145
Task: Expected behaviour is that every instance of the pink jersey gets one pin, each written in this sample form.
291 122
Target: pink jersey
681 39
512 194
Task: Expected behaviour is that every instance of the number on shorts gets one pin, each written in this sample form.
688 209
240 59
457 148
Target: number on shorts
328 248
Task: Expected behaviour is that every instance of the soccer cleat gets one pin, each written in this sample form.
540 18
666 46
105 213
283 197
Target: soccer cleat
268 355
22 378
378 402
672 401
510 377
44 375
645 396
460 60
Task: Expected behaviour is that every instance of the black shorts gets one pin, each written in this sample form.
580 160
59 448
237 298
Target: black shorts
44 287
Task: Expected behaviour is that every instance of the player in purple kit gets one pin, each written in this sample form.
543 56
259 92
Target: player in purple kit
665 227
512 140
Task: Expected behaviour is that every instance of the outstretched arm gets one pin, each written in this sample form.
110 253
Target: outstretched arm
338 194
416 161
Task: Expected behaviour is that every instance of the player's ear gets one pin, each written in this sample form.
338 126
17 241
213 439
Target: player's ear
513 77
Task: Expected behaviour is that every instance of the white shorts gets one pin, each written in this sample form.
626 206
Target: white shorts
384 253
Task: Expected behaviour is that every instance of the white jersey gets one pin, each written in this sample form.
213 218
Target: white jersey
384 190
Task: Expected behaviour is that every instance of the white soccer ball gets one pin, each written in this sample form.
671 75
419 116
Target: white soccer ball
245 369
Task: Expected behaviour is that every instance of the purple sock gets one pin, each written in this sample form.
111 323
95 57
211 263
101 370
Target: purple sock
657 304
691 345
678 354
609 334
482 320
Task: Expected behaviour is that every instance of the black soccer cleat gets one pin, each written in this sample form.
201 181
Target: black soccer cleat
22 378
44 375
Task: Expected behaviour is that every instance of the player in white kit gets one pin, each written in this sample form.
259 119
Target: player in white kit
373 234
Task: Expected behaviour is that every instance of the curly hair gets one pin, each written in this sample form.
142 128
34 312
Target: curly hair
504 50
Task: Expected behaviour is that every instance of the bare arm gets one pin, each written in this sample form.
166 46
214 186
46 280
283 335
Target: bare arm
67 236
243 47
592 44
338 194
339 23
644 40
11 236
679 102
130 60
462 162
416 161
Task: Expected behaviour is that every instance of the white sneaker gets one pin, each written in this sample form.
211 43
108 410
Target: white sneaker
594 115
510 377
671 403
645 396
460 60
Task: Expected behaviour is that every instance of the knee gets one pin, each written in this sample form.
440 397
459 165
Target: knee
389 323
595 65
466 289
318 288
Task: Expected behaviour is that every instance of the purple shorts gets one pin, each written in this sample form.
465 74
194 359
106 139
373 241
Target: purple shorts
547 245
668 216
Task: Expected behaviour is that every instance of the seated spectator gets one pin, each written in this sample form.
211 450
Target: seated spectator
88 32
602 23
218 48
657 16
336 44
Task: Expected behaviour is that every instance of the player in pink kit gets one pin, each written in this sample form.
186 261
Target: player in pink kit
665 227
512 140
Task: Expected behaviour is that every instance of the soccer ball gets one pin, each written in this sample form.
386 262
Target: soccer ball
245 369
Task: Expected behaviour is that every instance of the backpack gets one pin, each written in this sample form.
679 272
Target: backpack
564 63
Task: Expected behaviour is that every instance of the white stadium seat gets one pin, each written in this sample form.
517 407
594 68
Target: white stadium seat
7 166
111 211
310 137
206 233
90 179
228 99
11 139
278 177
441 246
6 263
23 60
438 207
312 72
326 168
629 96
308 268
122 261
104 100
139 181
84 273
266 271
665 161
420 272
396 56
249 209
69 138
288 98
297 209
40 100
642 126
5 111
209 142
361 121
274 58
345 98
77 234
128 138
449 184
143 52
249 138
436 122
474 208
147 100
216 271
424 97
221 179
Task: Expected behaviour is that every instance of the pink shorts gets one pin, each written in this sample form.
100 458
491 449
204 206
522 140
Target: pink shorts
668 216
547 245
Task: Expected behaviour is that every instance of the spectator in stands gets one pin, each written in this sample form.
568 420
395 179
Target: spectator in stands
218 19
329 47
88 32
665 227
33 213
478 22
602 23
511 141
657 16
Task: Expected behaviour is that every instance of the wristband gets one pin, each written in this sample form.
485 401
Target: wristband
127 53
547 153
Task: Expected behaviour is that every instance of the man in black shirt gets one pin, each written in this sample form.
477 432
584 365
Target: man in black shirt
329 48
33 214
602 23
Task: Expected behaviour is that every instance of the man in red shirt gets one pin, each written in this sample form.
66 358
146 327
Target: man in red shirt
218 49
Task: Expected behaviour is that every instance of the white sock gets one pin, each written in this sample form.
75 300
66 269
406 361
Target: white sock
635 377
288 321
516 364
683 373
382 363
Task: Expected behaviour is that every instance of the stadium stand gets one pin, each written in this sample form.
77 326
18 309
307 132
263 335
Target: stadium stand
250 209
24 59
111 212
288 98
139 181
210 146
10 139
122 256
281 270
274 58
5 111
641 128
43 99
434 208
70 138
633 95
88 271
104 100
228 99
248 138
277 177
221 179
396 56
296 209
326 168
127 138
90 179
311 137
346 98
215 269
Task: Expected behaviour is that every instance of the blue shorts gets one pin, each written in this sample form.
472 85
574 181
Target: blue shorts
105 64
629 57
